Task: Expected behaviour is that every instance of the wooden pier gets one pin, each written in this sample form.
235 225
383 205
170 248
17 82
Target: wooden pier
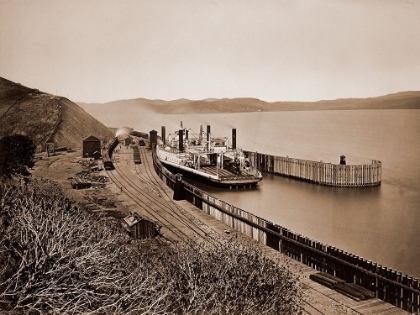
319 172
397 289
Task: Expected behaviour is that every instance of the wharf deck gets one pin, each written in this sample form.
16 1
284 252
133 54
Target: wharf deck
319 299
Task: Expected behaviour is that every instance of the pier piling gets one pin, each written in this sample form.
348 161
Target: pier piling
340 175
384 283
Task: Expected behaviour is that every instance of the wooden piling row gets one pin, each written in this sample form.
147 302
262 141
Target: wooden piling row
387 284
319 172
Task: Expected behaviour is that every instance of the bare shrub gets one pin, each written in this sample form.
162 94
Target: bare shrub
234 279
55 258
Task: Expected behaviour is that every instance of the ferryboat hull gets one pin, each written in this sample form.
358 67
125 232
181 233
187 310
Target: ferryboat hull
210 161
231 182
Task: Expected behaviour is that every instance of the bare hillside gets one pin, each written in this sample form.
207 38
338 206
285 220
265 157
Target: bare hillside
403 100
45 117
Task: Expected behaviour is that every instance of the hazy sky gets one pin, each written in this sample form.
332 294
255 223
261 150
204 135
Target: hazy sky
103 50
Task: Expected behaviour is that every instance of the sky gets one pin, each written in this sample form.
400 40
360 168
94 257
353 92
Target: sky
274 50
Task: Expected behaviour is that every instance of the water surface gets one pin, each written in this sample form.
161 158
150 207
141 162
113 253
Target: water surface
378 223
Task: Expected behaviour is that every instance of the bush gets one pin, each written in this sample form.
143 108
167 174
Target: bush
55 258
232 279
16 154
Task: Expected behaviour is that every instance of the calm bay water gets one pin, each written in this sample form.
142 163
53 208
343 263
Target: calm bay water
378 223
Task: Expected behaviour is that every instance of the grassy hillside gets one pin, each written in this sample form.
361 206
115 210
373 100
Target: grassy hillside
11 93
403 100
45 117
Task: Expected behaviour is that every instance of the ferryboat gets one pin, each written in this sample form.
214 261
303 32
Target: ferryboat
208 159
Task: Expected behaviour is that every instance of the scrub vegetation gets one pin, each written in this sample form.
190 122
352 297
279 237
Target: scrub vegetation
58 259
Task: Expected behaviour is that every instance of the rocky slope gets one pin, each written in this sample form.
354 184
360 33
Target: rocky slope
45 117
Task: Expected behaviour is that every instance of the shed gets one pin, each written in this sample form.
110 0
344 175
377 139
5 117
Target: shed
127 141
140 228
90 145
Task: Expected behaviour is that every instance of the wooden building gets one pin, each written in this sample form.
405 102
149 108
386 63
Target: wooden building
140 228
90 146
127 141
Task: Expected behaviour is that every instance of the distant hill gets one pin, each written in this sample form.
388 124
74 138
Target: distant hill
45 117
403 100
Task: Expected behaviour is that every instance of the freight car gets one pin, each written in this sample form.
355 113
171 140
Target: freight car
108 165
136 155
139 134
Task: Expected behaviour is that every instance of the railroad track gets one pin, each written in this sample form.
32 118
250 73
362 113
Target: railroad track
150 178
156 204
155 183
177 226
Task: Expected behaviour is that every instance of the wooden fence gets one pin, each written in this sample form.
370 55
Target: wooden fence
388 285
319 172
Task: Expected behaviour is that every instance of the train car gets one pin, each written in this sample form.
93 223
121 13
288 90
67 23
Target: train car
107 156
112 145
108 165
136 155
139 134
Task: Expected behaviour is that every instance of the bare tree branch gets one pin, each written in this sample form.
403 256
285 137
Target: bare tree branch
60 260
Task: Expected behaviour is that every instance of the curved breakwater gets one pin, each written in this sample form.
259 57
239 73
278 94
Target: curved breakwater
319 172
388 285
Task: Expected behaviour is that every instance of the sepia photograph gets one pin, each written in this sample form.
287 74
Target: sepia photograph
209 157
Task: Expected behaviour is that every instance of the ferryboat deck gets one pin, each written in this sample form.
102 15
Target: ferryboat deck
224 173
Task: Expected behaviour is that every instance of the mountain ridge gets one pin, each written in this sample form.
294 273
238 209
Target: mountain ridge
400 100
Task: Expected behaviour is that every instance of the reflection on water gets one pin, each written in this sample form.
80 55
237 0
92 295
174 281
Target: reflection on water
377 223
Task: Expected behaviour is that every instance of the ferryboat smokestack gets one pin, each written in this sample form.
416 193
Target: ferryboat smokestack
163 134
208 137
200 136
181 140
186 134
152 138
234 139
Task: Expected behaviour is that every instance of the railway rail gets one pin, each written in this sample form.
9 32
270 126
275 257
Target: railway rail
149 176
177 225
157 205
154 200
